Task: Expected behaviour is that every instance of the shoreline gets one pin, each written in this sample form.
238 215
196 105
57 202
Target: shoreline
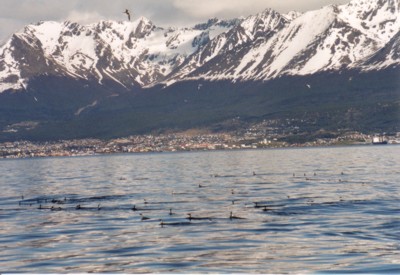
157 144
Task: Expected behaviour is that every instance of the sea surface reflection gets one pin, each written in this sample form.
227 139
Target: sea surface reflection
317 210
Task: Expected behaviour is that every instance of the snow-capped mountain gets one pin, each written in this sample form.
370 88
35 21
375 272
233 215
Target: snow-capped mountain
129 53
332 38
363 34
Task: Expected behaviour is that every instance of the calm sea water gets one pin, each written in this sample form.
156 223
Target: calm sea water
316 210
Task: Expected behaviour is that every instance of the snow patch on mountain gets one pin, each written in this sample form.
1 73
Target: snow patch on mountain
301 33
378 19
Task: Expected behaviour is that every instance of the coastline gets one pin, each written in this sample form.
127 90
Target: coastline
167 143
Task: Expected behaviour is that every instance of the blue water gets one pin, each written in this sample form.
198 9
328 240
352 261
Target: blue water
328 210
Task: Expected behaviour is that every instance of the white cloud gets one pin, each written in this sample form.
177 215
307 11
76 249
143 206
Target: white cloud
235 8
210 8
83 17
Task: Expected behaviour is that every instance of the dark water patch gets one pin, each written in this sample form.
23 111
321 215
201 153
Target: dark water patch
205 247
31 236
269 226
172 266
124 250
393 235
182 193
357 234
286 213
389 225
385 269
382 212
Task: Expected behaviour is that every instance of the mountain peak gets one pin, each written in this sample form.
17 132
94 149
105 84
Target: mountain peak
291 15
215 22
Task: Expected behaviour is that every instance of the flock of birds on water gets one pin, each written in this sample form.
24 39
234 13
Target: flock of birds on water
72 203
43 205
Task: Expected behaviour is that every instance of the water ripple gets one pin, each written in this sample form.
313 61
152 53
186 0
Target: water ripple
317 210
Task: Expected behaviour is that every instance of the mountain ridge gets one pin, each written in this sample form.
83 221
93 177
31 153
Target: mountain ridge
260 47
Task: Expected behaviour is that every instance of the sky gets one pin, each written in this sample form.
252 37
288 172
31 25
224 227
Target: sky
15 14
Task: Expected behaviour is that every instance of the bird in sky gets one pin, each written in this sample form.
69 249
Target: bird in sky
127 13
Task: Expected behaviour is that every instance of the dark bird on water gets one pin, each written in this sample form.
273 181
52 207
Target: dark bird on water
266 209
127 13
143 217
189 217
231 216
162 223
257 205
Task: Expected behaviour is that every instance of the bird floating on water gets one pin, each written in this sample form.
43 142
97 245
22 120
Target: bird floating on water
55 208
143 218
266 209
189 217
231 216
162 223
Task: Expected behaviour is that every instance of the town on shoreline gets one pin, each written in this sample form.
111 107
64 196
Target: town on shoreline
173 142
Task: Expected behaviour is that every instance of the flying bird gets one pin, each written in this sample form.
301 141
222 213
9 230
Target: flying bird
127 13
